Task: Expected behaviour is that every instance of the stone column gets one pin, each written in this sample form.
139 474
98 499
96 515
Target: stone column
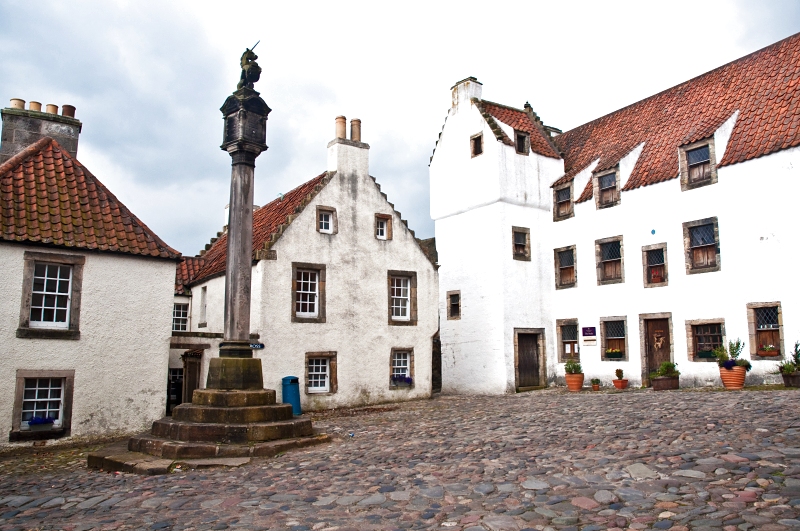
245 115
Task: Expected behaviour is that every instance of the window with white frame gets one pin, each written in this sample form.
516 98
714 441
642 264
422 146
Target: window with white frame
318 375
50 296
325 221
307 293
401 368
401 298
42 399
180 317
380 229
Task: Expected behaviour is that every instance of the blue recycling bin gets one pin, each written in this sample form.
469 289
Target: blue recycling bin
291 393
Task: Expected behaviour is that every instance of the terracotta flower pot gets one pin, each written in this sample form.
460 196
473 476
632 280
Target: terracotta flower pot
620 384
574 382
732 378
791 380
595 387
665 383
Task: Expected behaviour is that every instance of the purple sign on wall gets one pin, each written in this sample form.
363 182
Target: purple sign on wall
589 331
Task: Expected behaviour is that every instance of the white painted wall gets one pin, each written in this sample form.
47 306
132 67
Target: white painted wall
356 324
121 358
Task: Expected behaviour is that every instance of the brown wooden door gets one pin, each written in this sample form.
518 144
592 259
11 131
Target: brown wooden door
528 360
657 343
191 377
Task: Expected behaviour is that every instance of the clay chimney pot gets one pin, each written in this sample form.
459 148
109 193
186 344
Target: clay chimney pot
35 106
17 103
355 130
68 111
52 109
341 127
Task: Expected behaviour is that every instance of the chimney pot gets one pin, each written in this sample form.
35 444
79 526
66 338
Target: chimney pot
355 130
341 127
52 109
35 106
68 111
17 103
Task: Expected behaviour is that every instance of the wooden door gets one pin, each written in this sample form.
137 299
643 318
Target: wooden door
191 376
528 360
436 359
657 343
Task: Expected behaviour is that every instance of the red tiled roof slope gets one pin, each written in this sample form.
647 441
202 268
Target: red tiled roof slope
269 222
46 196
763 86
521 121
186 271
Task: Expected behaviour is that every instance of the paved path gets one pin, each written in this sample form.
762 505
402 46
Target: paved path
684 460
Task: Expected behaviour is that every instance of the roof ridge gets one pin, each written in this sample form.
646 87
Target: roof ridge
19 157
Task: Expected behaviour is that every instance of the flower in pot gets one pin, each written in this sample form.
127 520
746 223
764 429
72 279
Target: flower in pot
620 383
614 353
595 384
41 423
790 369
768 350
402 380
732 368
666 377
574 375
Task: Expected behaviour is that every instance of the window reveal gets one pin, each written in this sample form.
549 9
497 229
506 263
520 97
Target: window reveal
611 260
455 305
180 317
562 202
655 266
566 267
699 162
307 293
703 246
608 189
477 145
706 339
318 375
50 296
768 331
569 341
401 298
42 398
615 339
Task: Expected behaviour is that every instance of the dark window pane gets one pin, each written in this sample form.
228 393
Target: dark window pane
61 316
39 270
655 257
562 195
608 181
48 315
702 235
569 332
566 258
767 317
611 251
38 284
615 329
36 314
51 285
519 238
697 156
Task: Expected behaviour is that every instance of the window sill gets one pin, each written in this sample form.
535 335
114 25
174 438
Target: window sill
47 333
567 286
18 435
522 257
400 387
698 184
299 319
655 284
607 205
563 217
621 359
699 270
610 281
202 325
320 393
398 322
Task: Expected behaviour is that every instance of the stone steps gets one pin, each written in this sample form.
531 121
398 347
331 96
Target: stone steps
230 432
232 414
146 443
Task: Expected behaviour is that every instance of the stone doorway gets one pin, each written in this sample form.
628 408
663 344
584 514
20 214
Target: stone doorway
529 359
656 333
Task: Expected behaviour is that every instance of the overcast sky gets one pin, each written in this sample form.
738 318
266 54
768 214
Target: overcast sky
148 78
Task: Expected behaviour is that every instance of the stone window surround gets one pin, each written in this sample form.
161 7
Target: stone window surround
541 346
596 187
447 305
527 136
653 247
16 433
334 219
412 275
320 268
472 145
557 265
559 341
690 270
571 213
526 256
753 336
333 380
388 219
602 322
31 258
410 351
643 340
684 167
599 262
690 324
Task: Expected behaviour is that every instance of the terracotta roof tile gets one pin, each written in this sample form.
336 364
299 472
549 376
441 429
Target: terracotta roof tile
48 197
762 86
269 222
186 271
520 120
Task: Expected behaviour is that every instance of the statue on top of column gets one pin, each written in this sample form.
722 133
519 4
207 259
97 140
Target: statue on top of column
251 72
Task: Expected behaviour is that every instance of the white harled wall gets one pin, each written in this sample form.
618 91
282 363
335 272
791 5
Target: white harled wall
121 358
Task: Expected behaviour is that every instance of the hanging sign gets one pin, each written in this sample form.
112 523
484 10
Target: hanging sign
589 334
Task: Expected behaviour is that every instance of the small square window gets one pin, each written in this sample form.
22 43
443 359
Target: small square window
702 245
707 337
523 142
565 267
318 375
654 259
767 331
614 340
42 400
476 143
521 241
383 226
42 405
563 206
697 166
180 317
50 295
401 368
610 261
454 305
380 229
327 222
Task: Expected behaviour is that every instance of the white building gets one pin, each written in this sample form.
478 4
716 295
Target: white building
85 296
343 295
651 234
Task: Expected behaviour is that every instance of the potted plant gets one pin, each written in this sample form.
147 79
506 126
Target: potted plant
666 377
41 423
620 383
595 384
732 368
574 376
614 354
768 350
402 381
790 369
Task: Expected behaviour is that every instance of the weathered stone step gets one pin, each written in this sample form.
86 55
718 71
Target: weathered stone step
232 415
219 398
230 433
175 450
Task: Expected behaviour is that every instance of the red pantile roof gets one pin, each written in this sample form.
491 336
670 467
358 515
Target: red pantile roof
269 222
185 273
763 86
526 121
46 196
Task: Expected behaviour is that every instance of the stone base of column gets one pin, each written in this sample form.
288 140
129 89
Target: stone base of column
235 374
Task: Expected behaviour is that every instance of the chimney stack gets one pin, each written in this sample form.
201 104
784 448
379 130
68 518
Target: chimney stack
23 127
351 156
464 91
355 130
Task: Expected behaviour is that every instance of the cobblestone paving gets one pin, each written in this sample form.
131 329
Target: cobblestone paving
543 460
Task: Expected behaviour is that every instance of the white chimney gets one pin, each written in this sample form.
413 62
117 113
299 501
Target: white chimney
348 156
465 90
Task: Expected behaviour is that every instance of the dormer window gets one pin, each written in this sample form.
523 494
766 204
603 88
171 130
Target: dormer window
523 142
608 189
563 203
697 164
476 144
